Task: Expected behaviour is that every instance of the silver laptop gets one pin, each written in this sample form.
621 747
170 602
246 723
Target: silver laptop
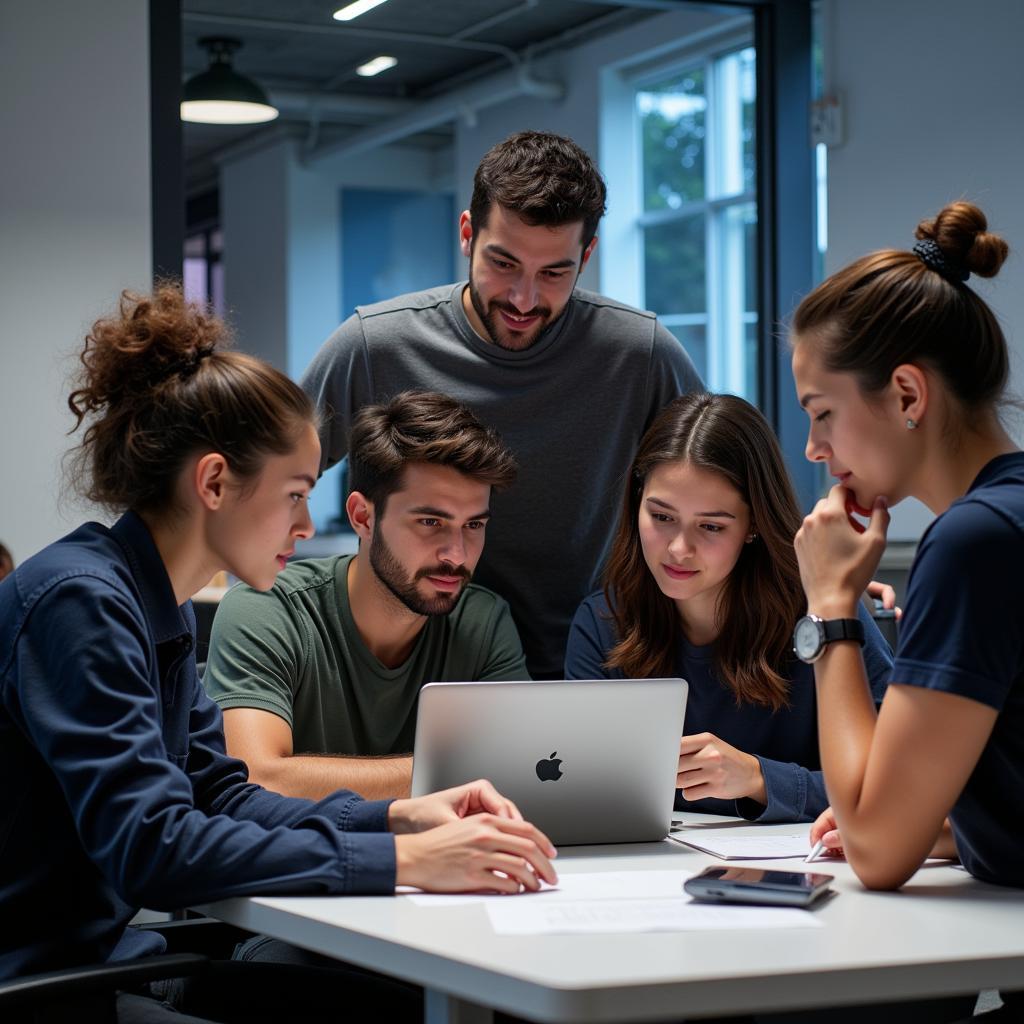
587 761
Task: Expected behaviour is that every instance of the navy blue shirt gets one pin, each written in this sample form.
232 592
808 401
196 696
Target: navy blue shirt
962 632
785 742
117 792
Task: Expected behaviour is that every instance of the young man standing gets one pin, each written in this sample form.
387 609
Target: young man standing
319 677
569 378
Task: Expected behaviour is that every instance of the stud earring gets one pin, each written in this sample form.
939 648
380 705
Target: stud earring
751 537
911 424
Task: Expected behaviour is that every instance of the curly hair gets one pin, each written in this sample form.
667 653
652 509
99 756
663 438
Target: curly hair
156 386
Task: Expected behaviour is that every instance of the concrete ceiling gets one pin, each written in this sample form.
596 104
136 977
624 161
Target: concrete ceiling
295 49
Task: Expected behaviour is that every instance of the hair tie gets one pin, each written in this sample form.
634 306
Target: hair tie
931 255
183 368
190 364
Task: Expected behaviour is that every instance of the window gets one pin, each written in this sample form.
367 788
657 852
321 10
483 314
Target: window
679 137
204 270
698 213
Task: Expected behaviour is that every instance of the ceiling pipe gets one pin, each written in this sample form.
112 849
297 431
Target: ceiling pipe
644 5
336 106
450 106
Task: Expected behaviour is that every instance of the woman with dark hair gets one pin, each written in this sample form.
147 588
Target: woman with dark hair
125 796
702 583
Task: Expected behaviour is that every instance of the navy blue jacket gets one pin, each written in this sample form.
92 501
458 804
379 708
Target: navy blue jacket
785 742
117 791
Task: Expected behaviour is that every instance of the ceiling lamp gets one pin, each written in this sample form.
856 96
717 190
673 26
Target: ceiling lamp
353 10
375 66
220 95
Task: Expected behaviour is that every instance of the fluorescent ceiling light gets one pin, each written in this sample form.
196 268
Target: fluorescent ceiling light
350 11
375 66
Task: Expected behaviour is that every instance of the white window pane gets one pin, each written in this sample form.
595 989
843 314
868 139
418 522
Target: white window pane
732 130
733 299
195 279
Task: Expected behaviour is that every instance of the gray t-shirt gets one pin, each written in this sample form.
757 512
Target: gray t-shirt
294 650
572 407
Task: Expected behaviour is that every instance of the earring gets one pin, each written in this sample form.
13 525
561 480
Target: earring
911 424
752 537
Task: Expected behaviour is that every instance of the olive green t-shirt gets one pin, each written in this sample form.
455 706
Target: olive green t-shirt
294 650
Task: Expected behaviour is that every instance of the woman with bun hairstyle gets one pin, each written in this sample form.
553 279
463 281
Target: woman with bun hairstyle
901 367
702 583
121 794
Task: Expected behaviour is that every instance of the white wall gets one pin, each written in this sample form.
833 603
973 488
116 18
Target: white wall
577 115
932 91
282 249
74 225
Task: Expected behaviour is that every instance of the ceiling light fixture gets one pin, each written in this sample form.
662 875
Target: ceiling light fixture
350 11
376 66
220 95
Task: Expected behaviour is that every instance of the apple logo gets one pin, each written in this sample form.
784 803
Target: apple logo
547 768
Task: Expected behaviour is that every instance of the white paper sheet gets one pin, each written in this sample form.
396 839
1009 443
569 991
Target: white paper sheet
578 885
541 917
726 845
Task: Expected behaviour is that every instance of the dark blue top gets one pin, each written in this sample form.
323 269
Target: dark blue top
785 742
963 632
117 792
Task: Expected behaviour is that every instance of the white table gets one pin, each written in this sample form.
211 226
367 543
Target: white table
944 933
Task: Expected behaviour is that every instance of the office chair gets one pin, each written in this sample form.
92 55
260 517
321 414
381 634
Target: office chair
89 993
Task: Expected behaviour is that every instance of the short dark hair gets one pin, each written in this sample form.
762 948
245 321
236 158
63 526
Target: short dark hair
157 385
425 427
542 178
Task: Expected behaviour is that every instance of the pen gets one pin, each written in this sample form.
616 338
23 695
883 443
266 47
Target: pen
819 846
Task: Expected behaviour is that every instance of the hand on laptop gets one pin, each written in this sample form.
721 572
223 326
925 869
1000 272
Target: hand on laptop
479 853
423 812
710 767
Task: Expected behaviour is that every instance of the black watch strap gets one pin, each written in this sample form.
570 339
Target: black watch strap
843 629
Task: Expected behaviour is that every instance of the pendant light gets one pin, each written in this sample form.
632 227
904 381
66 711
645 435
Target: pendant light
220 95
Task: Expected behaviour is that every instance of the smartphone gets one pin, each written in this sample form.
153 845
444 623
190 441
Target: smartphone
724 884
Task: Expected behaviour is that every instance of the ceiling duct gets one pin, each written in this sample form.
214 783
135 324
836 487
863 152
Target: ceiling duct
450 106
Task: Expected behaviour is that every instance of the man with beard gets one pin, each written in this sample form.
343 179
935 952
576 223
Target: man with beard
319 677
569 378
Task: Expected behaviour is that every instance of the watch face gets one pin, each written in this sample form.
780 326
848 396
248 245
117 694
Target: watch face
806 638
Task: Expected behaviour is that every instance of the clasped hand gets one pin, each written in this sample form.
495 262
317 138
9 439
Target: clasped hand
837 555
466 839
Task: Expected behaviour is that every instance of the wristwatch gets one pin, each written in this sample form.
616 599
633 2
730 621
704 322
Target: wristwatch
813 633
